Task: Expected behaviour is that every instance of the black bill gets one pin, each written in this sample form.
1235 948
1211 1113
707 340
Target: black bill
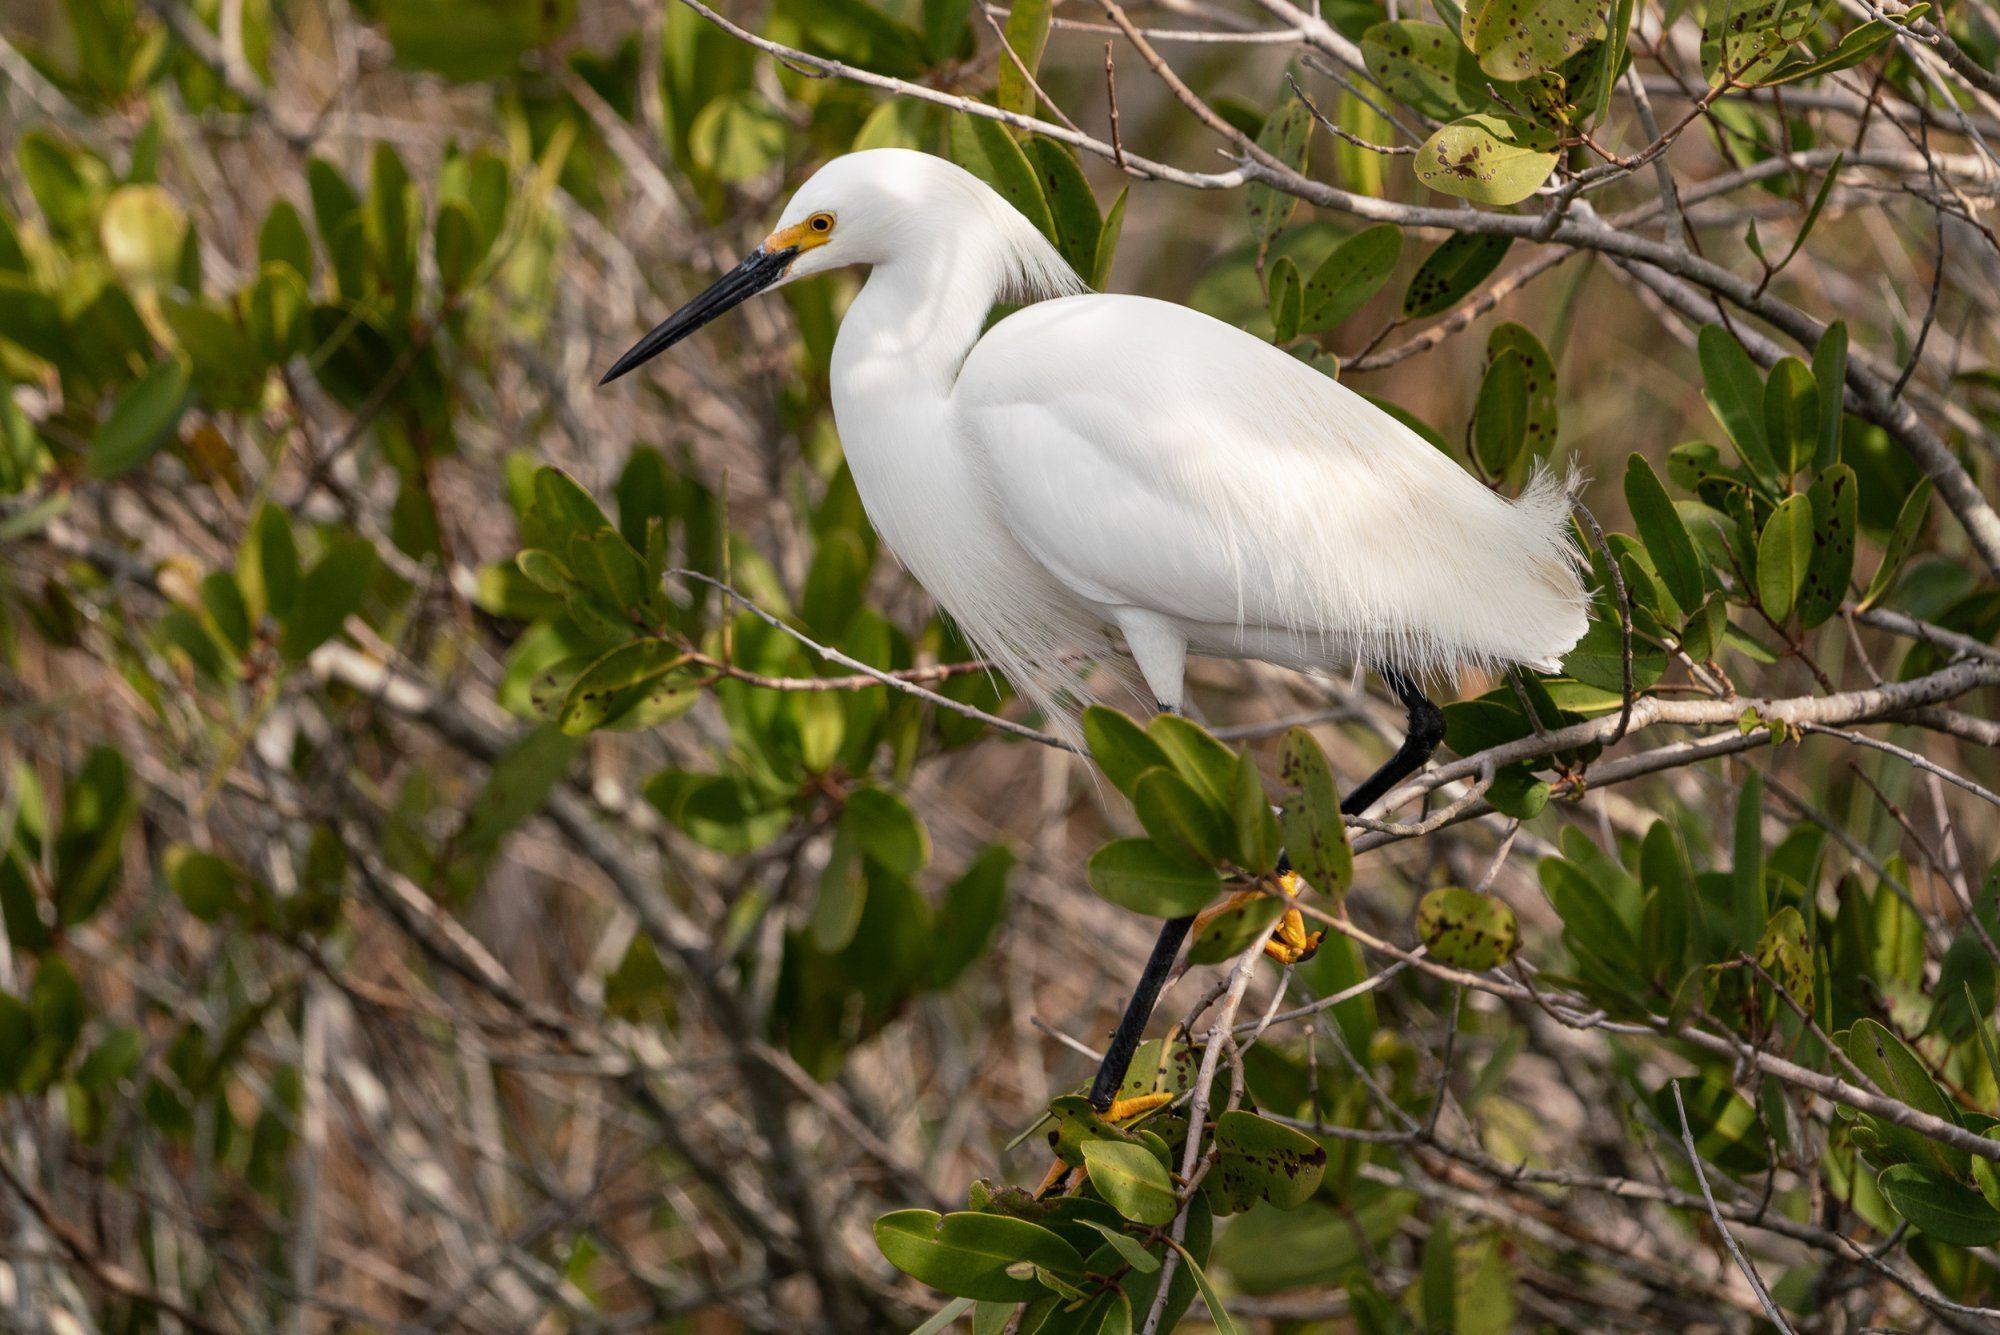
746 280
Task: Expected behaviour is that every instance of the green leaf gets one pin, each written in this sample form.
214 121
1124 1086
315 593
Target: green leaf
944 27
843 894
55 1001
1965 989
1909 523
1258 1159
1231 931
1539 373
32 319
1597 659
720 811
1439 1285
1256 828
1314 831
946 1317
333 199
970 1255
860 34
1027 34
455 244
473 40
98 803
61 181
737 137
1121 748
1516 38
141 231
1744 40
1489 159
1500 415
330 591
1287 299
1835 498
561 510
1286 135
1784 551
274 313
1133 1182
1735 392
268 566
984 147
389 223
1898 1072
227 372
515 788
1786 954
887 830
1217 1313
1127 1247
1353 272
1424 66
605 565
1856 46
1072 204
1107 242
1949 1212
617 681
1180 818
1609 63
1467 930
283 240
1593 930
972 910
1791 415
1665 535
142 421
1197 757
1451 272
209 887
1139 875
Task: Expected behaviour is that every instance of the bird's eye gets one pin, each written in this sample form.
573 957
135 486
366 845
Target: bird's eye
821 222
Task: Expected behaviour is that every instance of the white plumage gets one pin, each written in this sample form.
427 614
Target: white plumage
1099 464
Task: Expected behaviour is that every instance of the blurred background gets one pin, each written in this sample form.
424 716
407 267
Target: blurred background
354 981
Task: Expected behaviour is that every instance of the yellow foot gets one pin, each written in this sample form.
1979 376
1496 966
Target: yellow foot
1119 1113
1057 1172
1124 1110
1290 943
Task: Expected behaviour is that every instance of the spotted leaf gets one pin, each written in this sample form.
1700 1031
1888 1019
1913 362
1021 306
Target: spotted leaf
1487 159
1467 930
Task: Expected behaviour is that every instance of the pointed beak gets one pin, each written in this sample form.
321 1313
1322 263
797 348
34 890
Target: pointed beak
760 270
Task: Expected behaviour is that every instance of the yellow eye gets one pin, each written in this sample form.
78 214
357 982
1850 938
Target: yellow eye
821 222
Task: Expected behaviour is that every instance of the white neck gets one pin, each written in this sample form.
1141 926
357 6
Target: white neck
913 323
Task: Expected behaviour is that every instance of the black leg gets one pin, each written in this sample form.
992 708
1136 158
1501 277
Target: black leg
1426 731
1132 1025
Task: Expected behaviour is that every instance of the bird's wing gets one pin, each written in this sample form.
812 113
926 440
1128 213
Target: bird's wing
1154 458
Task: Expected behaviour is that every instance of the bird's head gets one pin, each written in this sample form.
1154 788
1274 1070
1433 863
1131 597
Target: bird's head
869 208
846 213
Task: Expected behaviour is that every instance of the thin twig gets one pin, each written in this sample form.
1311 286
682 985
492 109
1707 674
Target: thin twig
1742 1261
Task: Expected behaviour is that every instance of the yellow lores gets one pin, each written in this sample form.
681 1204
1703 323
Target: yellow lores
802 236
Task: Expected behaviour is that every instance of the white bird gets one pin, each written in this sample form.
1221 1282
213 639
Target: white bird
1101 461
1096 463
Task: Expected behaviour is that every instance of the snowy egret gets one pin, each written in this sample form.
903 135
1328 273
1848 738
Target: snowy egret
1097 464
